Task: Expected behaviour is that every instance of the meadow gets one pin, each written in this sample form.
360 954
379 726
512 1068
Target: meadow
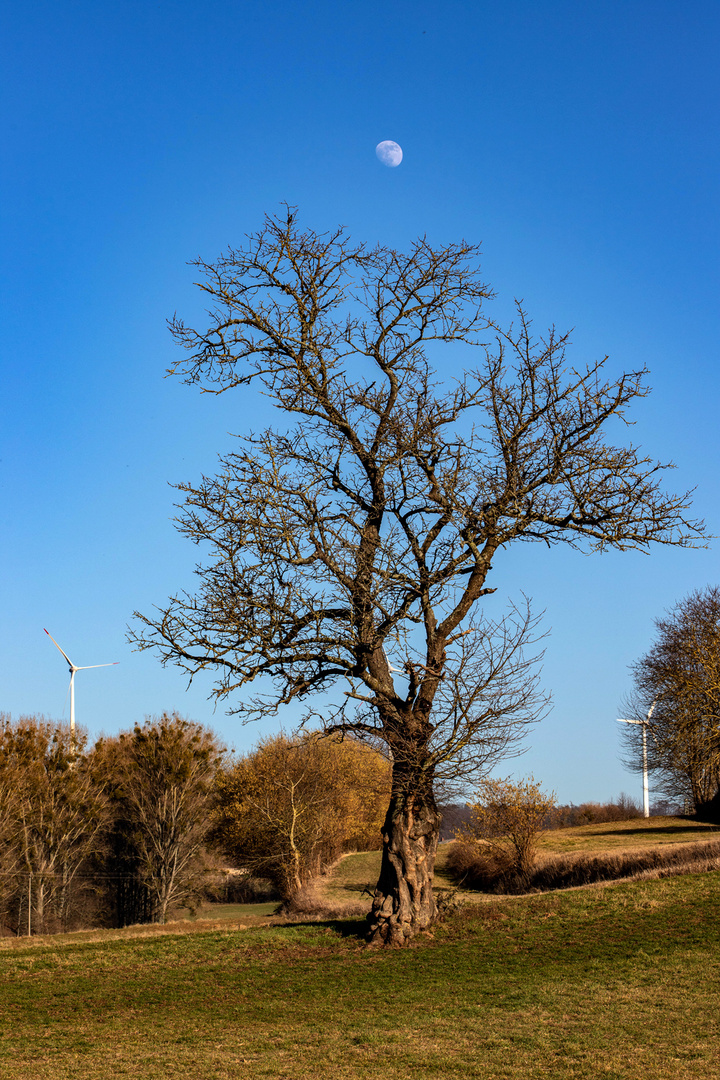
616 981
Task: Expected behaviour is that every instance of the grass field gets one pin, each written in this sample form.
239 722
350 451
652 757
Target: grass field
618 981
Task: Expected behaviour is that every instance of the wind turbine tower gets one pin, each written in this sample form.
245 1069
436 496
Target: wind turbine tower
73 669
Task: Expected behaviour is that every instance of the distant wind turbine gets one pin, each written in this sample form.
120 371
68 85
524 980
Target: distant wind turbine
73 669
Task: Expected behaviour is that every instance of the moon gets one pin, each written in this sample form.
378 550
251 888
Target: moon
389 152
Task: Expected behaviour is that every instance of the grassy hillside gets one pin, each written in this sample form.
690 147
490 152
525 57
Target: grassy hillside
355 873
625 835
619 982
353 878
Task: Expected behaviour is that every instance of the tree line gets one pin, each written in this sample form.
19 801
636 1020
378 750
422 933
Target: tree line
139 824
125 830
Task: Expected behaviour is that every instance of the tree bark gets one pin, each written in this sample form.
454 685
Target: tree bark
404 902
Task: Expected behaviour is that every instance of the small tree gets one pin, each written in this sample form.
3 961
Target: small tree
162 776
354 544
506 821
677 695
291 807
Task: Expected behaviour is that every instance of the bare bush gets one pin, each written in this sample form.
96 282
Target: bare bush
475 867
505 824
243 888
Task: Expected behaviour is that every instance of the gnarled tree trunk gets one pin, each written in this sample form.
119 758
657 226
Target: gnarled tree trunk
404 902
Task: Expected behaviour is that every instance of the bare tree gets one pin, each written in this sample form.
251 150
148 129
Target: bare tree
354 546
677 695
53 811
161 776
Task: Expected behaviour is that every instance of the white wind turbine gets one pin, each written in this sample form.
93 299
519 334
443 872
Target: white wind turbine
73 669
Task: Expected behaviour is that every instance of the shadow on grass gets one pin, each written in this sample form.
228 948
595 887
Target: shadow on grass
360 887
659 830
355 928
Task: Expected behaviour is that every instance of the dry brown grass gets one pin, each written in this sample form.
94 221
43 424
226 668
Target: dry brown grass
625 835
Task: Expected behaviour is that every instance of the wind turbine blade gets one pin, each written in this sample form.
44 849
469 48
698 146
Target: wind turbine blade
84 667
58 647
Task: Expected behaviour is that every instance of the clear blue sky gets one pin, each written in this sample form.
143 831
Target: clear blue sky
578 142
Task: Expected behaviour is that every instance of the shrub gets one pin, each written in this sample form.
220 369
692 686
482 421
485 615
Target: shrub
504 826
238 887
567 871
482 868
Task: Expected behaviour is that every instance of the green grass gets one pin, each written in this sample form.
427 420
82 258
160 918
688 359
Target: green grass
245 912
355 875
614 982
